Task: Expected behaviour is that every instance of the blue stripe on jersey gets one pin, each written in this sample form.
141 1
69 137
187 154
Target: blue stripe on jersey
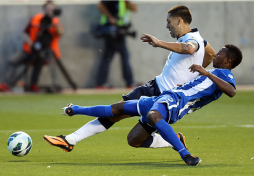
193 40
200 91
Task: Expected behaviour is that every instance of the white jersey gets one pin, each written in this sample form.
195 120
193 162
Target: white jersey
176 70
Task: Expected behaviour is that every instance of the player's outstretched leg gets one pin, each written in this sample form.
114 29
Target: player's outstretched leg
104 112
93 127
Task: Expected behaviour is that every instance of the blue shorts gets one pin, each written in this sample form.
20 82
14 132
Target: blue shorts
169 114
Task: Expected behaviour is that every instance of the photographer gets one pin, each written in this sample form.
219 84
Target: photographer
115 13
41 45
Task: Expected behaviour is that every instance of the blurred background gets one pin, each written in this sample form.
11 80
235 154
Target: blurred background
219 22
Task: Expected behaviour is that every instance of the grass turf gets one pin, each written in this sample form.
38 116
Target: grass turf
214 133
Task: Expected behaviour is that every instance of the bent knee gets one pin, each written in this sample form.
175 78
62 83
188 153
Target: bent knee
153 117
133 142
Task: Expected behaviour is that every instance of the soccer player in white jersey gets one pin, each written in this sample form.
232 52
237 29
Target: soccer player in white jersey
171 105
189 49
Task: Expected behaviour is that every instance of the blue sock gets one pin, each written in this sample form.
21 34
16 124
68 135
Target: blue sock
95 111
167 132
130 108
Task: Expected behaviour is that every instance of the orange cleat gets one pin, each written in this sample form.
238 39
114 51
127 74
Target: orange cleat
182 139
59 141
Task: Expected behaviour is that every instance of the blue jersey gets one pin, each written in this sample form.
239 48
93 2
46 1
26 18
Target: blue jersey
190 96
201 91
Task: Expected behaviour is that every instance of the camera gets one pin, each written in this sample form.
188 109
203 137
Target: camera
103 31
46 21
44 37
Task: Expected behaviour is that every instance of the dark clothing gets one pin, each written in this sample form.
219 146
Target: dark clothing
111 46
149 89
112 7
36 60
24 58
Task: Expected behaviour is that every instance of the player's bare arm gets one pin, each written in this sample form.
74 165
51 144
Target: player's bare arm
209 53
181 48
224 86
131 6
106 12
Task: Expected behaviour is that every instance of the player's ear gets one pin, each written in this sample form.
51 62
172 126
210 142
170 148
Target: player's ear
228 60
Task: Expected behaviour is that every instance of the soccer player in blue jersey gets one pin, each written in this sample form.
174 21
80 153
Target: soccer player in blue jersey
169 107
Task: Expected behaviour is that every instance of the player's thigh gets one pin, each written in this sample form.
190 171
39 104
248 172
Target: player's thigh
118 118
119 106
137 136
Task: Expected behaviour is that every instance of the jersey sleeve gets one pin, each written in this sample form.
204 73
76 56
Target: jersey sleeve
227 76
193 40
205 43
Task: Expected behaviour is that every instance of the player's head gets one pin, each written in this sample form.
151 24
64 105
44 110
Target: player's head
49 8
178 16
228 57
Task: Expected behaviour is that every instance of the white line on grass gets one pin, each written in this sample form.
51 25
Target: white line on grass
125 128
245 126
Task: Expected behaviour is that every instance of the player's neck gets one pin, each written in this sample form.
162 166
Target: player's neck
184 29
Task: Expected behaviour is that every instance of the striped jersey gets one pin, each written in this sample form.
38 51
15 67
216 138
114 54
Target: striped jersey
198 92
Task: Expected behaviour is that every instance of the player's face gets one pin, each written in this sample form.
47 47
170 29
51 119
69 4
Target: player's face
172 25
219 58
49 10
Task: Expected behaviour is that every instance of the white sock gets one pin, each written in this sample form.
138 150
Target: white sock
91 128
159 142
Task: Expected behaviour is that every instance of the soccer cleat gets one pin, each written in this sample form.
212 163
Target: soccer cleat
68 110
192 160
59 141
182 139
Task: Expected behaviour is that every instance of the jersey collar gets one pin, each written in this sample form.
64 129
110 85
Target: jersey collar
192 30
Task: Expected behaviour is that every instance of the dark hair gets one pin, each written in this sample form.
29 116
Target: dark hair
46 3
235 54
181 11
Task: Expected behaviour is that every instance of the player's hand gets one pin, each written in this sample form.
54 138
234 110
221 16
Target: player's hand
68 110
151 40
198 68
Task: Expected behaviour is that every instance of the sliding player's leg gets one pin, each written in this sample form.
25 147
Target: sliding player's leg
93 127
158 116
149 89
143 134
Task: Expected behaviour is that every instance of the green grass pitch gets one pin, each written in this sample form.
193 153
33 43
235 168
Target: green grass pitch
221 134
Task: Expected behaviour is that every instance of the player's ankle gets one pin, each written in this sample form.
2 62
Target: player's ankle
71 139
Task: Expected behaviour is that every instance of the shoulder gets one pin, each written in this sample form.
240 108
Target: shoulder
225 74
37 17
195 36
